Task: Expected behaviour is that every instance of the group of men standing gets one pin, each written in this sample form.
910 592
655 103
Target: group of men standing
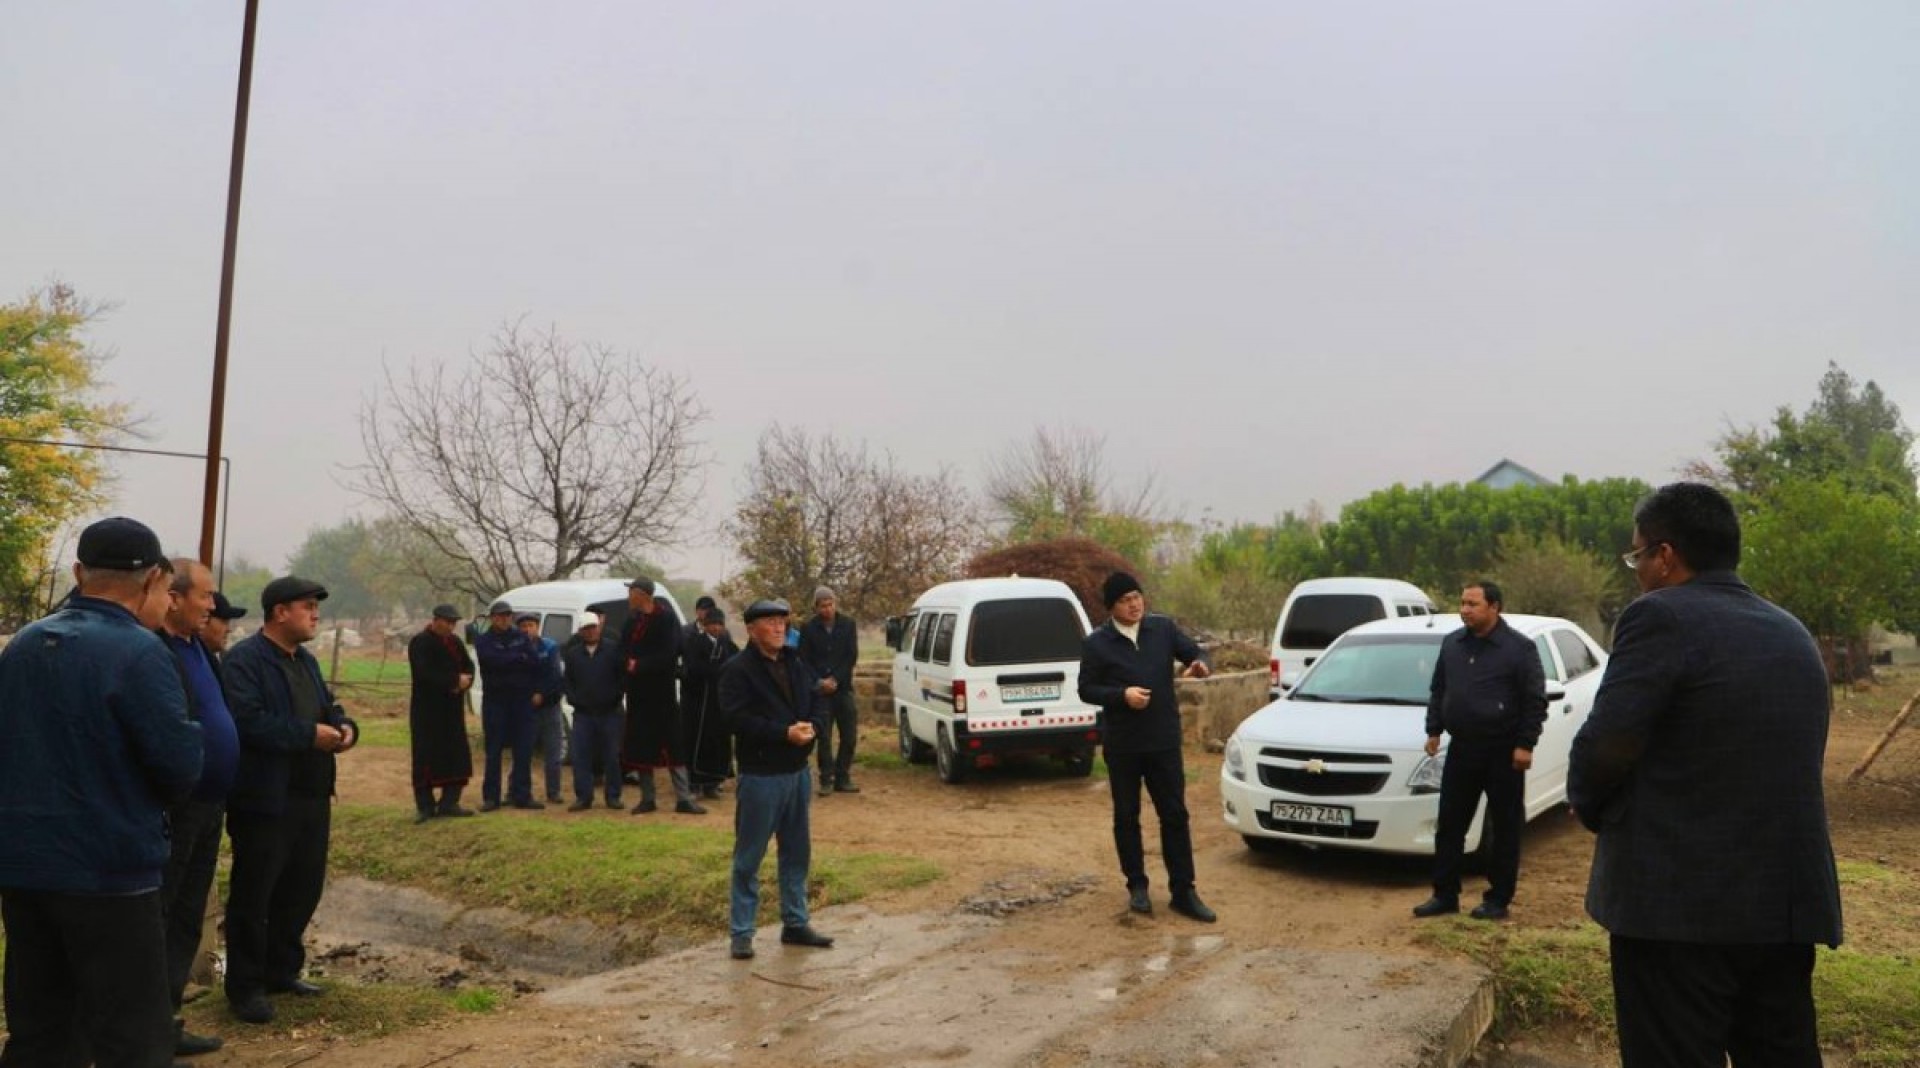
133 734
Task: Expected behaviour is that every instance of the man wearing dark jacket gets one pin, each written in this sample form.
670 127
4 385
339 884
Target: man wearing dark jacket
651 646
1126 668
550 728
195 824
1490 693
97 745
1699 768
437 716
281 810
594 682
830 645
775 707
510 672
709 743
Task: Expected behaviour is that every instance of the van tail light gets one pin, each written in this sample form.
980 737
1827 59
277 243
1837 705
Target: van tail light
1273 672
959 698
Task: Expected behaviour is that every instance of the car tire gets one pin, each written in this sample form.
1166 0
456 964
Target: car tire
1263 846
951 765
912 750
1079 763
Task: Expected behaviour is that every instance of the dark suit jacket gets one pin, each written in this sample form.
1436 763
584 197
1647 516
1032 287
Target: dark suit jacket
1700 770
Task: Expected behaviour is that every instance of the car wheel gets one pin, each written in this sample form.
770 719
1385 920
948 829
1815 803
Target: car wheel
951 765
912 750
1080 763
1263 846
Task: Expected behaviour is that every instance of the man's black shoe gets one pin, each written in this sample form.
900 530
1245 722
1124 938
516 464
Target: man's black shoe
1190 906
804 936
554 799
581 805
826 786
297 987
1138 901
529 804
489 806
188 1044
845 787
1487 910
741 948
1436 906
710 793
253 1009
687 806
643 808
457 810
422 816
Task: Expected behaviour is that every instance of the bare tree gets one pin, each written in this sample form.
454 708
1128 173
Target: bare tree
1056 484
540 457
820 511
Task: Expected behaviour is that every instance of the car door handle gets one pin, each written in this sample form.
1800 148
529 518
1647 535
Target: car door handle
1566 710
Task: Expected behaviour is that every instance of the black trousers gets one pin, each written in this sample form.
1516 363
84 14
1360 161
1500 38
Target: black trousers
185 884
86 981
423 800
279 870
1685 1004
1165 777
1473 769
843 717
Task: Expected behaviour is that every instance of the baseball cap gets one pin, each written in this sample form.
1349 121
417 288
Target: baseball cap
120 544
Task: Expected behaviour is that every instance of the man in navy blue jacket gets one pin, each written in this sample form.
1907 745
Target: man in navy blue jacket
97 745
511 667
1700 771
773 703
1126 668
279 816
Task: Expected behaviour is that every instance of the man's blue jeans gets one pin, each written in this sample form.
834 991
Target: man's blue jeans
508 725
766 806
597 734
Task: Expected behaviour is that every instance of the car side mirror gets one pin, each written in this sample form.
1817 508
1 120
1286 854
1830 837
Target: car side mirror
1288 681
893 632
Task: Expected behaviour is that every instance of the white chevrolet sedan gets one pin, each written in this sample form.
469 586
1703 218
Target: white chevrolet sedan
1339 760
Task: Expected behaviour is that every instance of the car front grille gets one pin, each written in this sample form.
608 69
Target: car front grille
1322 784
1362 830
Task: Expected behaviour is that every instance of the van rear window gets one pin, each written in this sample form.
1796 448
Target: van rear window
1317 619
1029 630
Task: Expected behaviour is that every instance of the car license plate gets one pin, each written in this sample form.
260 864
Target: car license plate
1320 815
1038 691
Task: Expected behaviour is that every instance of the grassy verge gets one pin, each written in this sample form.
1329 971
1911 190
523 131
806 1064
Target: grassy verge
354 1011
670 877
1869 1003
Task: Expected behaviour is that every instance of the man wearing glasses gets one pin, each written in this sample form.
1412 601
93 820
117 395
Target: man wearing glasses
1699 770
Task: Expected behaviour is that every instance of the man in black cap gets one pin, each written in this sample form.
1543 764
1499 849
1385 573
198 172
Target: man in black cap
213 634
709 743
775 706
595 686
651 647
437 716
1126 668
279 816
830 645
549 725
509 672
97 746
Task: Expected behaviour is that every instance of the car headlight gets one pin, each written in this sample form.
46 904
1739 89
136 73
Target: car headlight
1426 775
1236 761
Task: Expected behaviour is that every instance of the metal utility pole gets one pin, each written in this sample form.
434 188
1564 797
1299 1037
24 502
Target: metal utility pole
217 412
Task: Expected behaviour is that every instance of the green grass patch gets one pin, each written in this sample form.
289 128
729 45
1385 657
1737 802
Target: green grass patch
1859 873
384 732
1869 1003
667 876
349 1010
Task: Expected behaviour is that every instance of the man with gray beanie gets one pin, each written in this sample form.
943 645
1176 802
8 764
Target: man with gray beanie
1126 668
830 645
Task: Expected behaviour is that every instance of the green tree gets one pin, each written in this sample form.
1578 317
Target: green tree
375 569
49 391
1542 575
1851 433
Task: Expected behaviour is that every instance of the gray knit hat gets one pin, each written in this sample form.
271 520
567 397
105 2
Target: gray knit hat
824 593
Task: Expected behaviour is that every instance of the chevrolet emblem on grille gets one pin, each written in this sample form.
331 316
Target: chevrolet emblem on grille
1316 766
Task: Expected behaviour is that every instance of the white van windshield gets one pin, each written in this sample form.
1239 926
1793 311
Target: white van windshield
1026 630
1315 620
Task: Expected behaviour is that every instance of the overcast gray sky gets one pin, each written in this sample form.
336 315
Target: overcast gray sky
1280 252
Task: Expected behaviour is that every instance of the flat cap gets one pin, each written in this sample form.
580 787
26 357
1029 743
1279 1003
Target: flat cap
447 612
526 617
224 609
120 544
644 585
500 608
703 601
765 607
714 615
290 588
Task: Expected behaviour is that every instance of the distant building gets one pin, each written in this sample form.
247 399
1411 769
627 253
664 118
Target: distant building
1506 474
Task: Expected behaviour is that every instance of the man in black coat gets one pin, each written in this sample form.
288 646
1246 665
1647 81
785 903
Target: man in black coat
1126 668
1489 693
651 647
709 742
595 680
1699 769
437 716
830 645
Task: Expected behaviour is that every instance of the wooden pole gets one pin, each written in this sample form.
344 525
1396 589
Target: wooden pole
1892 729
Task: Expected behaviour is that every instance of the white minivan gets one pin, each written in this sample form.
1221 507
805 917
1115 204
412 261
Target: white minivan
985 668
1320 610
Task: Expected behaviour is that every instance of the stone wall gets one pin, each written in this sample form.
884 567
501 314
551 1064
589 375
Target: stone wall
1210 708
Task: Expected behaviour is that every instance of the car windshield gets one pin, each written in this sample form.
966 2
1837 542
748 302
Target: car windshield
1384 669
